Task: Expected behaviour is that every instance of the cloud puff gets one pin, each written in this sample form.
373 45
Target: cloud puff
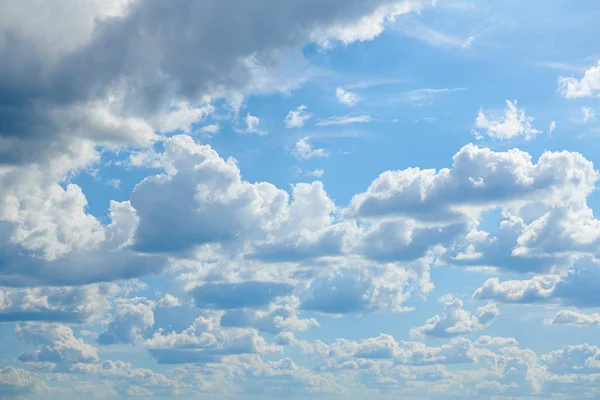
360 290
202 199
574 317
132 318
296 118
56 343
455 321
303 150
577 288
587 86
514 123
479 178
345 97
205 342
16 382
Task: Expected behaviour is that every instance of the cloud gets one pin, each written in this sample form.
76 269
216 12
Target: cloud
587 86
57 344
132 318
16 382
304 151
249 294
360 291
345 120
205 342
495 341
211 129
317 173
574 317
252 123
581 359
576 289
471 183
296 118
345 97
513 124
552 127
82 79
201 199
455 321
588 114
56 304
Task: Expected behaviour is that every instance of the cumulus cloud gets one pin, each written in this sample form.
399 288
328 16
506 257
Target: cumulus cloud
587 86
132 318
56 343
16 382
360 291
346 97
577 288
304 151
204 200
479 178
574 317
455 321
296 118
76 304
205 342
513 124
249 294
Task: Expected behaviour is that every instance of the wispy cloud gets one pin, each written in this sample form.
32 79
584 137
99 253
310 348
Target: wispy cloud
367 84
423 94
344 120
417 30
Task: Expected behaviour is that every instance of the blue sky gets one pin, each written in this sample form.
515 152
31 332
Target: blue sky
250 199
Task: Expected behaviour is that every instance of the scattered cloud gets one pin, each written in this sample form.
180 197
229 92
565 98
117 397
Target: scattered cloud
345 120
348 98
589 115
587 86
296 118
304 151
513 124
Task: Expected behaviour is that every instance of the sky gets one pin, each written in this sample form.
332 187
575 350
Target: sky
357 199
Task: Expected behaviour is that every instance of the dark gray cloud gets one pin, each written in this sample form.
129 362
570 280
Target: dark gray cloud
148 54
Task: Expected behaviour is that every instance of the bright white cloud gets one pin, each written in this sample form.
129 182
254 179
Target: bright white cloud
296 118
345 97
587 86
304 151
513 124
455 321
574 317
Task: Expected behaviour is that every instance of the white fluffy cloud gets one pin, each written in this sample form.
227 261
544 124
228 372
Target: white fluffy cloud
513 124
587 86
56 343
296 118
345 97
303 150
132 318
455 321
574 317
